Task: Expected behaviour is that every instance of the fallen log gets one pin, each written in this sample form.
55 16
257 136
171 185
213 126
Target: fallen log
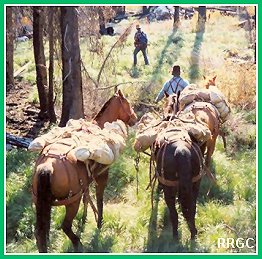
21 69
18 141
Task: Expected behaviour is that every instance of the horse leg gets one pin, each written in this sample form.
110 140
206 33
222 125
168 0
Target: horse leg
85 208
223 135
210 150
170 199
71 211
100 187
189 214
188 205
192 226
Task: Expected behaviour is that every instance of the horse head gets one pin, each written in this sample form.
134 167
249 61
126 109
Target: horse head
125 111
210 81
116 108
172 106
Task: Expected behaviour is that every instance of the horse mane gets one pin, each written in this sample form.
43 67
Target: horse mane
106 104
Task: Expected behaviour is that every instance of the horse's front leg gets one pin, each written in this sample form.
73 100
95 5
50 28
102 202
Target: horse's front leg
170 199
211 144
100 187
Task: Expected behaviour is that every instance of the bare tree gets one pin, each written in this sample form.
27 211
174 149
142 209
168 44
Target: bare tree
72 106
9 48
40 62
51 110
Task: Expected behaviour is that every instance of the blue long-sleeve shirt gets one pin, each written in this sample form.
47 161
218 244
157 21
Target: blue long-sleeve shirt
172 86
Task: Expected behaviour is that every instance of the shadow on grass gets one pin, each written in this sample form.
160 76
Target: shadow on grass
19 225
15 209
163 242
100 243
165 57
194 70
210 191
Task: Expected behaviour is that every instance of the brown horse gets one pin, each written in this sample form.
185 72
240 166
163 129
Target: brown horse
59 179
206 114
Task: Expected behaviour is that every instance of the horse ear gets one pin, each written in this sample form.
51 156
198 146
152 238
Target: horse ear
166 94
204 77
120 93
115 89
214 78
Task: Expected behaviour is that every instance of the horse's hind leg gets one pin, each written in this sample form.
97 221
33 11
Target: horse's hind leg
188 205
71 211
192 226
170 198
100 187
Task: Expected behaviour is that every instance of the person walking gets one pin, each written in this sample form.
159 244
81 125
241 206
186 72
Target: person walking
173 86
140 42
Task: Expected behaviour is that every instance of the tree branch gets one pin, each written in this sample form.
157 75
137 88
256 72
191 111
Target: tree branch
121 39
88 75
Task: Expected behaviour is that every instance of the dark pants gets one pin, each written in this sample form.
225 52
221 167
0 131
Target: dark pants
143 49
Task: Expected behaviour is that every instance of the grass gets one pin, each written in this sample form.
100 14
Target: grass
227 209
130 225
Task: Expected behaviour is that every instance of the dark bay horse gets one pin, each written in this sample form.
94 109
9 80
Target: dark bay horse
206 114
61 180
179 167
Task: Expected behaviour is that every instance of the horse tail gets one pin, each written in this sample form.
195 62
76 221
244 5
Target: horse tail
43 206
185 192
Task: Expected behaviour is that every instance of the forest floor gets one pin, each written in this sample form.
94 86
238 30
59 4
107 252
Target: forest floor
21 114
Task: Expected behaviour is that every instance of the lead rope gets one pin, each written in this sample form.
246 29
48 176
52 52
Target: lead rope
137 160
152 176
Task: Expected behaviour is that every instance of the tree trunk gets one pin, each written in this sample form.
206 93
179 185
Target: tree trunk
202 13
201 18
9 49
40 63
102 21
145 10
72 80
176 17
51 110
